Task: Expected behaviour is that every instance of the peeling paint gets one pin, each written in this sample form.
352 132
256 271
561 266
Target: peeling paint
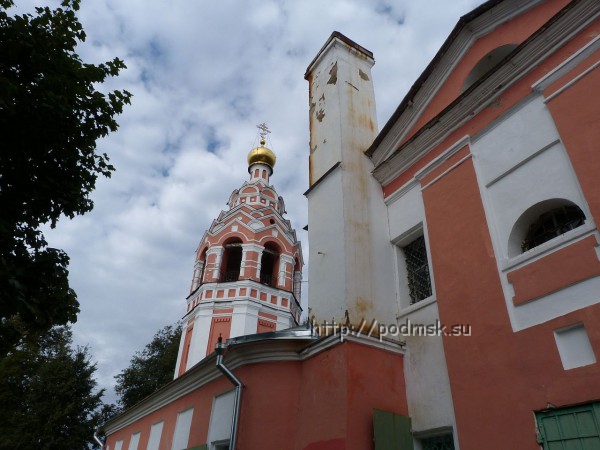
322 97
320 115
363 75
333 75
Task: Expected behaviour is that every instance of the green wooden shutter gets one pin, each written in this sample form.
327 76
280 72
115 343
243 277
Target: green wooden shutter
570 428
391 431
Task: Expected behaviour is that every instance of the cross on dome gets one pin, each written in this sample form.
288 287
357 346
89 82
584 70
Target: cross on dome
262 154
264 130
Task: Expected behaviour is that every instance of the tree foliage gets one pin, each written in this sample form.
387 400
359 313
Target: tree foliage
48 394
51 116
149 369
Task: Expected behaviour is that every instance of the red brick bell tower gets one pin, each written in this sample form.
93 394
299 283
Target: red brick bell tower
248 268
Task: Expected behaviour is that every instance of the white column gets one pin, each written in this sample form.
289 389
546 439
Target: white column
244 319
197 274
218 251
258 264
285 261
200 336
298 285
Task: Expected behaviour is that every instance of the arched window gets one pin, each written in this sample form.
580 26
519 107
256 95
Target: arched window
268 264
487 63
232 260
543 222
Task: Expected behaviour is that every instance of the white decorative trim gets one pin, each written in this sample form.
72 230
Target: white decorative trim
406 187
415 307
252 248
521 163
567 65
573 81
287 259
443 157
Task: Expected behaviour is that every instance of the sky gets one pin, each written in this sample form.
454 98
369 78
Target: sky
203 75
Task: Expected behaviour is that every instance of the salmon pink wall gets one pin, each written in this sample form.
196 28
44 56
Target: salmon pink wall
496 372
322 403
340 388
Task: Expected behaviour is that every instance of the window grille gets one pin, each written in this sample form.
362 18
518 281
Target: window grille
417 269
442 442
551 224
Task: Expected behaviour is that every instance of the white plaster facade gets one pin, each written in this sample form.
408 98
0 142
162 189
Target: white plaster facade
355 263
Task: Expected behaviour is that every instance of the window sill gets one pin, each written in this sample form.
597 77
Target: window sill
415 307
548 247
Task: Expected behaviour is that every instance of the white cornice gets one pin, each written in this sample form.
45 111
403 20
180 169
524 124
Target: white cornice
488 90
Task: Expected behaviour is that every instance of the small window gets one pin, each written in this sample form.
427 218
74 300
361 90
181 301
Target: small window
417 270
551 224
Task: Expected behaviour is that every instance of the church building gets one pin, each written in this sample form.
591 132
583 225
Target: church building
454 264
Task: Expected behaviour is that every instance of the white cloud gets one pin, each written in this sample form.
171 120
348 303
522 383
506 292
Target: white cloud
203 74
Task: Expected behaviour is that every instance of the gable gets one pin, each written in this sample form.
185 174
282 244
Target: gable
492 26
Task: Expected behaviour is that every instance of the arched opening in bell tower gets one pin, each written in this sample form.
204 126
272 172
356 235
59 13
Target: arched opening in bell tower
232 260
202 267
268 264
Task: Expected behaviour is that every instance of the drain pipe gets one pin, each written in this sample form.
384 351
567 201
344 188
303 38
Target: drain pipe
97 439
219 348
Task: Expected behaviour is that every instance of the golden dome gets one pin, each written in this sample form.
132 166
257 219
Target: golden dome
262 155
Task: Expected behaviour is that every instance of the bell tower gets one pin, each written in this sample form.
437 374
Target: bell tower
248 268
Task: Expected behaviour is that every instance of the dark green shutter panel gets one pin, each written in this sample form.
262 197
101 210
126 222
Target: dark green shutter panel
576 428
391 431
